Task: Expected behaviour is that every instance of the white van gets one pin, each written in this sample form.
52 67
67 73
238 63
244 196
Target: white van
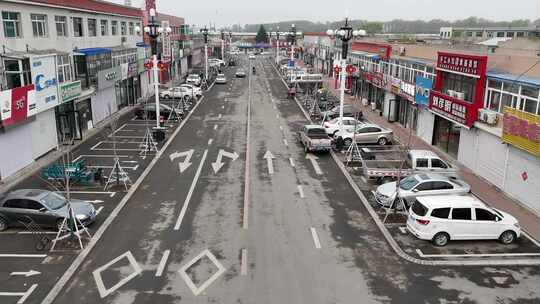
443 218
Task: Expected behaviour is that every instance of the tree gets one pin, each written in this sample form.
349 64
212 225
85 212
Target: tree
262 35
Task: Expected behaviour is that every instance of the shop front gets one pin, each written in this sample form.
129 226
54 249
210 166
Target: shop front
107 98
457 95
375 89
70 122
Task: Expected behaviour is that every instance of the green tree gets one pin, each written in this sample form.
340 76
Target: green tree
262 35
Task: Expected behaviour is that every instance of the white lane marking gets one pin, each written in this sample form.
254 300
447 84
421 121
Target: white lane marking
111 194
95 146
61 283
285 142
25 273
421 254
98 156
313 160
243 266
103 291
197 290
22 255
162 263
99 210
23 295
315 238
190 193
281 128
219 116
291 161
269 161
215 127
301 191
218 164
110 167
364 180
223 107
277 115
530 238
275 107
40 232
210 141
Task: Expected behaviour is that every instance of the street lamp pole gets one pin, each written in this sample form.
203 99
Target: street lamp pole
222 45
153 30
345 34
204 31
277 46
293 41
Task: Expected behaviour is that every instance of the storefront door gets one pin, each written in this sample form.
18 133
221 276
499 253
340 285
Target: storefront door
446 136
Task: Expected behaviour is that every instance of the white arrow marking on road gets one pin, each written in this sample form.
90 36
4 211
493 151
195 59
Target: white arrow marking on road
313 160
269 159
23 295
186 163
25 273
218 164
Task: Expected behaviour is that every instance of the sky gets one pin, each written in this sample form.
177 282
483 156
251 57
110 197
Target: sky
228 12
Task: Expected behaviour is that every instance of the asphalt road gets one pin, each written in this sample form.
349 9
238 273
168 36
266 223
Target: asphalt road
264 228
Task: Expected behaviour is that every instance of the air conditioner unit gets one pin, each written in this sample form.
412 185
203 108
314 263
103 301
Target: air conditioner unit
488 117
459 95
450 93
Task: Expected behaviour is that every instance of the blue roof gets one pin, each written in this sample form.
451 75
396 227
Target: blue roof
142 44
93 51
515 78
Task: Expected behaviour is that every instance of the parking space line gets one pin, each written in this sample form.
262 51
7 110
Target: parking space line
364 180
111 194
215 127
291 161
315 238
210 141
99 210
530 238
162 263
23 295
37 232
243 265
22 255
97 156
110 167
477 255
285 142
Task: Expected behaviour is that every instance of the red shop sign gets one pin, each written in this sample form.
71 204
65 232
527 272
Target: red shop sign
453 109
14 104
466 64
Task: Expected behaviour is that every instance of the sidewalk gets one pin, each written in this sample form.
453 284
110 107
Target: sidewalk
480 187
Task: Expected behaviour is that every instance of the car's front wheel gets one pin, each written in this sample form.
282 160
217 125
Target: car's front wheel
3 224
382 141
440 239
507 237
347 141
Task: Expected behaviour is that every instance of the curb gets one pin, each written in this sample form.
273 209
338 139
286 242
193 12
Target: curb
392 242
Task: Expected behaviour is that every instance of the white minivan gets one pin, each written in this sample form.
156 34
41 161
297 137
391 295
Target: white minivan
443 218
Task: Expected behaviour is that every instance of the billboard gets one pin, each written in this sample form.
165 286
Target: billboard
423 88
166 39
522 130
43 68
15 104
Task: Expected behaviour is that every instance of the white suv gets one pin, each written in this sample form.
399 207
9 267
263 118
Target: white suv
459 217
194 79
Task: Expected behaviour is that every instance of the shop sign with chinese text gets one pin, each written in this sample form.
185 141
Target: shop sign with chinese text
465 64
69 91
15 104
522 130
453 109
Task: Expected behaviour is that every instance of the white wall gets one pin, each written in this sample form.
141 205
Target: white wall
44 135
426 122
63 43
16 151
526 191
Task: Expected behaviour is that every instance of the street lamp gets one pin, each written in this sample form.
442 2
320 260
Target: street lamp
230 40
345 34
222 45
204 32
154 30
277 46
293 40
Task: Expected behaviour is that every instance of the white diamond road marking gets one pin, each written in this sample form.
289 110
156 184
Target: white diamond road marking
197 290
103 291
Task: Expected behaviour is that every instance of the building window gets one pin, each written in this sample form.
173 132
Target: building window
61 26
12 24
479 34
17 72
500 34
123 29
469 34
131 29
114 28
510 34
460 83
104 27
64 68
77 26
138 25
520 34
92 30
39 25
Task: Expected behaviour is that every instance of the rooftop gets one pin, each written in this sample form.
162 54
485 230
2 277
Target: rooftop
91 5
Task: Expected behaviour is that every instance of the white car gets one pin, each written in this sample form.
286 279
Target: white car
196 90
443 218
333 125
221 79
194 79
251 56
216 62
417 185
176 92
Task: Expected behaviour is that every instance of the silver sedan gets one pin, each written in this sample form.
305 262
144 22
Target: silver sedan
366 134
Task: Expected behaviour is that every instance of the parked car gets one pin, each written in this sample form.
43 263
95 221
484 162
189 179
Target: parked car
148 111
176 92
240 73
314 138
348 111
215 61
443 218
221 79
365 134
332 126
251 56
193 79
417 185
196 90
46 208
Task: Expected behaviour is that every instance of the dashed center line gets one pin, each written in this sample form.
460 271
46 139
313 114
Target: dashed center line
315 238
301 191
285 142
215 127
210 141
243 266
291 161
162 263
219 116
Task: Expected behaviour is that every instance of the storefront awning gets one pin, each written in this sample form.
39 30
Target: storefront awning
514 78
92 51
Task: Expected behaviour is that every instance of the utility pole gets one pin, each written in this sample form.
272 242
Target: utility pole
204 32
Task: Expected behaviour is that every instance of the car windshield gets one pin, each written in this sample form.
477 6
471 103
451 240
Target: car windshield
54 201
408 183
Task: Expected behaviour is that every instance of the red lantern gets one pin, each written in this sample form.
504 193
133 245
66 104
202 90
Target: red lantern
337 69
350 69
148 65
161 66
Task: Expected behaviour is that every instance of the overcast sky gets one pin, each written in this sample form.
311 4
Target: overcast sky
227 12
